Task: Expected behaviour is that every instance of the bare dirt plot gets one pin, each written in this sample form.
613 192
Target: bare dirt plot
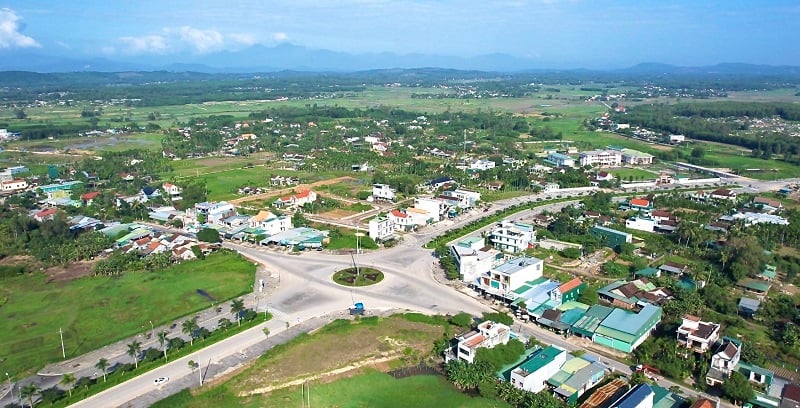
337 214
363 343
301 187
74 270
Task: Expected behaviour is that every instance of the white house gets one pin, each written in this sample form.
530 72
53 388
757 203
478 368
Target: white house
381 228
488 334
677 138
401 221
504 278
13 185
723 362
512 236
635 157
481 165
473 259
466 198
533 373
172 191
436 209
697 335
641 224
270 223
215 212
383 192
601 158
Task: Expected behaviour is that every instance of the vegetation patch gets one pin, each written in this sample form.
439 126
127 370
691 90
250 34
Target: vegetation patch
361 276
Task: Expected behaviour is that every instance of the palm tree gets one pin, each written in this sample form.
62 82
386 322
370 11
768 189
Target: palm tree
190 327
133 350
29 391
102 364
194 366
237 306
162 339
68 380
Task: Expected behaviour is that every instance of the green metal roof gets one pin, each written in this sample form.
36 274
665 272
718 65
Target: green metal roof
628 326
646 272
755 285
538 360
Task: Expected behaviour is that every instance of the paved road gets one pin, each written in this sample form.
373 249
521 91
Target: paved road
305 292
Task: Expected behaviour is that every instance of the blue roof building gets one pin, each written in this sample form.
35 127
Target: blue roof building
640 396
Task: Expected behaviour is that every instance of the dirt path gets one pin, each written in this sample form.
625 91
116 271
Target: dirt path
284 191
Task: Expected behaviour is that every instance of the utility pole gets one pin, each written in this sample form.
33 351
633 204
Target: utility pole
63 352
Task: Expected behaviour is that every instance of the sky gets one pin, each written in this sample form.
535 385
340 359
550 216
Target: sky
553 33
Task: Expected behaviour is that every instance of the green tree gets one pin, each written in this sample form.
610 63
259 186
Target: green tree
102 365
163 340
68 380
737 388
190 327
29 391
134 349
298 219
462 319
208 235
237 306
698 152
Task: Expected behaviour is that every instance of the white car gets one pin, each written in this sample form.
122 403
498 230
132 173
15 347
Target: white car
160 380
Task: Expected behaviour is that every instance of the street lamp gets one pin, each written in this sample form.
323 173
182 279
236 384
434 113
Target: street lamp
8 377
152 330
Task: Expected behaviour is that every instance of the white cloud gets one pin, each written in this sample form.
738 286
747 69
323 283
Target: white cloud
10 37
245 39
201 40
155 44
280 36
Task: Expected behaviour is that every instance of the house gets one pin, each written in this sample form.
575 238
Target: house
767 204
575 377
624 330
503 279
381 228
44 215
560 160
568 291
401 221
481 165
305 197
436 209
674 268
466 198
611 237
636 158
724 361
640 204
748 307
488 334
604 176
634 294
533 373
512 236
183 253
13 185
601 158
723 194
60 189
270 223
383 192
168 154
214 212
641 224
88 198
697 335
437 183
705 403
172 191
640 396
790 396
150 192
473 258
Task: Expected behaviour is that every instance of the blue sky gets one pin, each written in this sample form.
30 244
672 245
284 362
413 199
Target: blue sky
556 33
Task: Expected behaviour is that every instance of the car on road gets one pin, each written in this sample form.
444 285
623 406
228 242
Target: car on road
160 380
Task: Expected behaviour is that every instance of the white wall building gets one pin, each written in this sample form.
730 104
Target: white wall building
561 160
641 224
601 158
271 223
472 259
13 185
383 192
487 335
481 165
636 158
381 228
466 198
436 209
532 375
504 278
512 236
697 335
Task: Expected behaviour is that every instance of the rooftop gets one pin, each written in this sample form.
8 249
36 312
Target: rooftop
539 359
515 265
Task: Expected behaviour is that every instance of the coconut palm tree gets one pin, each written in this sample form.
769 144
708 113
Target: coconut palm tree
133 350
237 306
29 391
190 327
162 340
102 364
68 380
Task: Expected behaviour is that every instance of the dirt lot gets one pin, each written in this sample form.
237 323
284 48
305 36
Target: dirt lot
337 214
301 187
365 344
75 270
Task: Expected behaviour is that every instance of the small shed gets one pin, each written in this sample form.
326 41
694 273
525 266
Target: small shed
748 307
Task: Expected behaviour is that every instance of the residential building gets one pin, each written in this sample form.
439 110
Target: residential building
88 198
381 228
560 160
674 268
790 396
634 294
748 307
568 291
605 394
601 158
214 212
512 236
768 205
437 183
640 396
473 258
575 377
45 215
401 221
53 190
641 224
503 279
611 237
172 191
697 335
296 200
481 165
14 170
466 198
706 403
724 361
436 209
636 158
383 192
723 194
13 185
624 330
533 373
300 237
270 223
488 334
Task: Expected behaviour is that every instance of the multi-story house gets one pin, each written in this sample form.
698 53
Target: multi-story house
512 237
697 335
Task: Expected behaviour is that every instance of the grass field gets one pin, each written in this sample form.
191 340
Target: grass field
637 174
343 343
96 311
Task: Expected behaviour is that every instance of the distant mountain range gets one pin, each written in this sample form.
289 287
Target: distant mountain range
259 58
